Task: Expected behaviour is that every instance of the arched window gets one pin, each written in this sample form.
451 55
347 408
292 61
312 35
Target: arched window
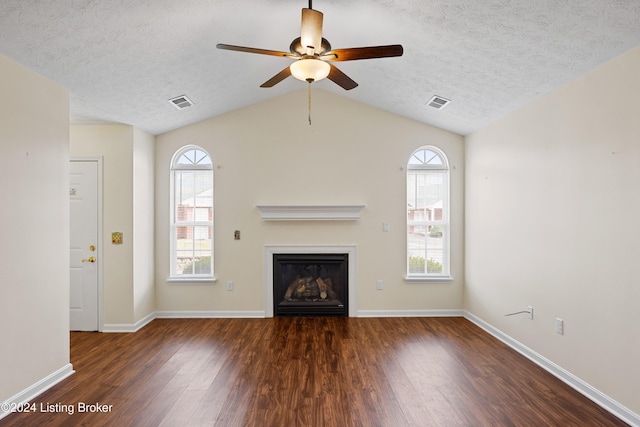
428 214
191 214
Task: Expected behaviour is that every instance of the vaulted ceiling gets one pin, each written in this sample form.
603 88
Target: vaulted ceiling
122 60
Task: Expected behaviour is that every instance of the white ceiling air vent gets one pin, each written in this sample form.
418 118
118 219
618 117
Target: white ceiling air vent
181 102
438 102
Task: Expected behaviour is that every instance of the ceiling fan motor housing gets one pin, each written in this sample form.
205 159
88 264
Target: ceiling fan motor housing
296 47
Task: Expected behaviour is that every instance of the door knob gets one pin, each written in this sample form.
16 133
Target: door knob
91 259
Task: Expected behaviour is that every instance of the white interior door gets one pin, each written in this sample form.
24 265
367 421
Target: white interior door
84 254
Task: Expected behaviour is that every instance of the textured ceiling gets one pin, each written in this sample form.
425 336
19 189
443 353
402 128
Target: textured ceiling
123 59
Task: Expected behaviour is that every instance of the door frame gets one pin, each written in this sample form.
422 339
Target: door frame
99 243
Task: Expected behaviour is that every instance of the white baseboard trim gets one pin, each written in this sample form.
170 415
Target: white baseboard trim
194 314
36 389
208 314
579 385
410 313
128 327
188 314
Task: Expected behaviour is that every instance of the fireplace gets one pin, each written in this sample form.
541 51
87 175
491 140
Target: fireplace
272 249
310 284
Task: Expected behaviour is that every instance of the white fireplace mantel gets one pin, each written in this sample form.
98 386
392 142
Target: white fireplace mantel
310 212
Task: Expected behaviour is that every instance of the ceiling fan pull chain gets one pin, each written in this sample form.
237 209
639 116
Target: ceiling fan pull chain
309 101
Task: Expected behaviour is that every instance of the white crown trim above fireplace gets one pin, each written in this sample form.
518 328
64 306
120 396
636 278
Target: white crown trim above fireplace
310 212
270 250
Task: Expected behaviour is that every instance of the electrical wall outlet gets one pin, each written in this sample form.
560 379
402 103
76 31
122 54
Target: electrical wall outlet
559 326
379 285
530 310
229 285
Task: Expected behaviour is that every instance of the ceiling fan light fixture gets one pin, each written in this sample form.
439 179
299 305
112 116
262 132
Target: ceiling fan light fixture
310 69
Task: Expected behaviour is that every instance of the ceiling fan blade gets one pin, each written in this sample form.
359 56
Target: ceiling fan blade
277 78
340 78
311 29
353 53
255 50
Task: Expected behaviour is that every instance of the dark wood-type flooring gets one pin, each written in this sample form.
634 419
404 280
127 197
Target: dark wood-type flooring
309 372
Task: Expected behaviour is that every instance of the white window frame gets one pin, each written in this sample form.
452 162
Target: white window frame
174 224
427 167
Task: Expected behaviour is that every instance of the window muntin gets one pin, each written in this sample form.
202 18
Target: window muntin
428 214
191 214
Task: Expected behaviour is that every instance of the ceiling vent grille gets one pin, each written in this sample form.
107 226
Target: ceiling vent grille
438 102
181 102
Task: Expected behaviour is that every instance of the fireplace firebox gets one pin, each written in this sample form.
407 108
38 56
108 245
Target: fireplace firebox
306 284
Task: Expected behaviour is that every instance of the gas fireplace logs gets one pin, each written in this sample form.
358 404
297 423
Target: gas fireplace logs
310 289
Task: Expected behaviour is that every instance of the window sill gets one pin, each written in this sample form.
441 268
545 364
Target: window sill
184 280
428 279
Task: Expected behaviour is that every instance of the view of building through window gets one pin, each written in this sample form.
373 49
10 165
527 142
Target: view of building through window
192 213
427 213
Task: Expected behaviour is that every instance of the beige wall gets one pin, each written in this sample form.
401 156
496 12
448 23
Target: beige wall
552 214
143 225
268 154
127 207
115 144
34 255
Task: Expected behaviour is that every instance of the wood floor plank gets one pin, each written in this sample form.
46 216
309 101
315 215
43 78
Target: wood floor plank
309 372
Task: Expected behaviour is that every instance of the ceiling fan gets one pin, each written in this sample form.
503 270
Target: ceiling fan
313 56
